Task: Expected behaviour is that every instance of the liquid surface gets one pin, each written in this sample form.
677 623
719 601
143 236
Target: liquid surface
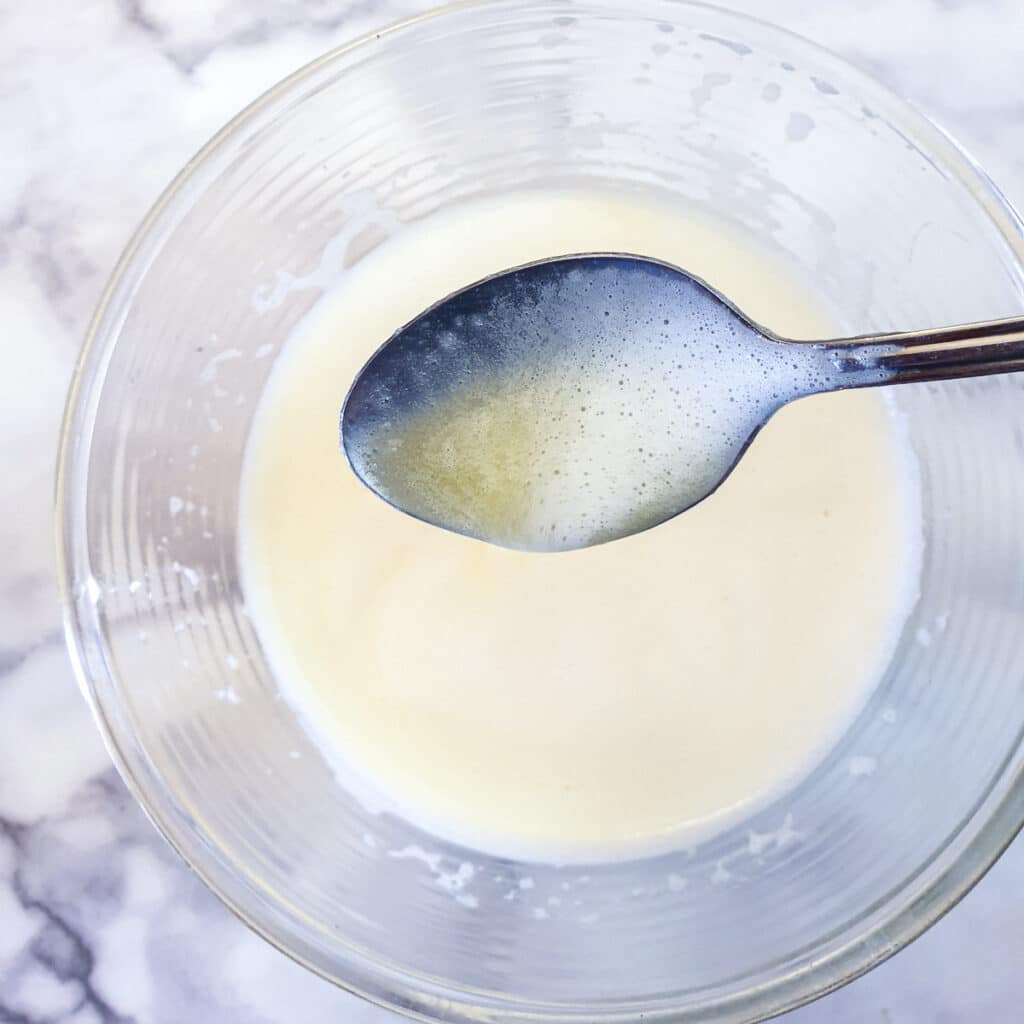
568 404
603 703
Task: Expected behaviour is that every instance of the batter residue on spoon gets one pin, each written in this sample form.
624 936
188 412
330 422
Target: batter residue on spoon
569 404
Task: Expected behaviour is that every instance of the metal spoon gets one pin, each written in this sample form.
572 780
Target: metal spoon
580 399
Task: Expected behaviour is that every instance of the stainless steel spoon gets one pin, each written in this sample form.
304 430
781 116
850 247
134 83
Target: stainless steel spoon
580 399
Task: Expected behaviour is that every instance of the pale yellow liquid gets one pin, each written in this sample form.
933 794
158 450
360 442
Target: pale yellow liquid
594 704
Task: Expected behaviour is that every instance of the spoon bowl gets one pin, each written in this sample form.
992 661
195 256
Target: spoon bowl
571 401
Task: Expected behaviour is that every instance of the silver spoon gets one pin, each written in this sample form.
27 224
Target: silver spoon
581 399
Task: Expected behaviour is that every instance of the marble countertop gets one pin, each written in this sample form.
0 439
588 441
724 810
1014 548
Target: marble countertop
101 102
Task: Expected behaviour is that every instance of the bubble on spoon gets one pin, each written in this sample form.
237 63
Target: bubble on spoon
493 440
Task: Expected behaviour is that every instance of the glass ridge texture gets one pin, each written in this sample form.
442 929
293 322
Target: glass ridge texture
872 208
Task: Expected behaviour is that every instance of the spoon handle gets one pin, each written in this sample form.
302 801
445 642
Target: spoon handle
945 353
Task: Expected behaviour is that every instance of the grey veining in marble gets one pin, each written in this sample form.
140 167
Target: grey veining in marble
101 101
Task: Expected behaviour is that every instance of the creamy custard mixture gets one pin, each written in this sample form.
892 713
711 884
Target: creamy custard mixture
595 704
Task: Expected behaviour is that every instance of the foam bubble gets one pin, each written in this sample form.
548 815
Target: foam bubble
550 409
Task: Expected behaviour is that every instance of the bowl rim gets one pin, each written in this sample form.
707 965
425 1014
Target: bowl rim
969 856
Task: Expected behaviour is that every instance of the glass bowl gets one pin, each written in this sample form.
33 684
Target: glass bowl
871 207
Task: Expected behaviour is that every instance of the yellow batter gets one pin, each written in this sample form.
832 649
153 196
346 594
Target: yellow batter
595 704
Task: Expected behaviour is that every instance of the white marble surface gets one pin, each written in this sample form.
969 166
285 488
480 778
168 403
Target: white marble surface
101 101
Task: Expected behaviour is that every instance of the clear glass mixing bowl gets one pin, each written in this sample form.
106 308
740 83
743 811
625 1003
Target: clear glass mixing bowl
882 217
